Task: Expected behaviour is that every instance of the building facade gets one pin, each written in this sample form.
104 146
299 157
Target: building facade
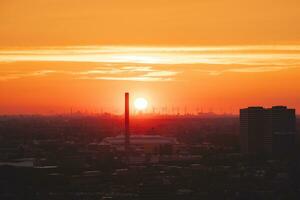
267 130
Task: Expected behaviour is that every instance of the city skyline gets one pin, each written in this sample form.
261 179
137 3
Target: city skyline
149 99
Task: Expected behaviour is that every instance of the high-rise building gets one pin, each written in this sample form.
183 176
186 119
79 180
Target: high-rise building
252 128
267 130
281 130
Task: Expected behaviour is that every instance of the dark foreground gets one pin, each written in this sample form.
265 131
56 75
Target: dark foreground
56 158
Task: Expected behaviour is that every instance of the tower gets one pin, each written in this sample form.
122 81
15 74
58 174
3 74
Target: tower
127 129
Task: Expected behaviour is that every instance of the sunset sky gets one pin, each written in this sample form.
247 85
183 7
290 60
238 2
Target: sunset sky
210 55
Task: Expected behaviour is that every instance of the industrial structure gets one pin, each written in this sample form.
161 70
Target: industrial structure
127 128
140 145
144 144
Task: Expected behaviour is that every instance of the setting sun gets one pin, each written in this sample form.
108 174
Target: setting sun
190 56
140 104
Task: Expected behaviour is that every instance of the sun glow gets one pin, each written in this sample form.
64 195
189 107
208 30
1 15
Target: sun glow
140 104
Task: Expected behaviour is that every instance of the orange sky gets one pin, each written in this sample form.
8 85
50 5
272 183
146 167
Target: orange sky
215 55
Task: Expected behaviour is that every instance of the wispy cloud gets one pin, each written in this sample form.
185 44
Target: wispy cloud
257 69
161 74
134 78
126 73
246 55
10 75
261 69
153 63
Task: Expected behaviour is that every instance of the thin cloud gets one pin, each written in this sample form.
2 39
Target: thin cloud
10 75
130 73
149 63
123 74
98 71
262 69
244 55
161 74
137 78
116 70
257 69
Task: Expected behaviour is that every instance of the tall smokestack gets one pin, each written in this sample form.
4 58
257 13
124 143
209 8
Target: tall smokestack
127 132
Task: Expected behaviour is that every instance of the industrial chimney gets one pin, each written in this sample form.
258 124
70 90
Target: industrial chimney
127 132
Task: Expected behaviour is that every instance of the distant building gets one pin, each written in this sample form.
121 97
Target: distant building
147 144
267 130
252 128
